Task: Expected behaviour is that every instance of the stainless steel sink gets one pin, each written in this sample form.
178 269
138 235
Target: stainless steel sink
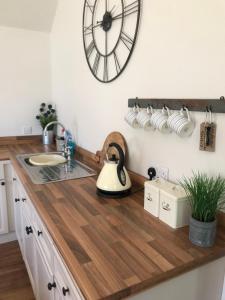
72 169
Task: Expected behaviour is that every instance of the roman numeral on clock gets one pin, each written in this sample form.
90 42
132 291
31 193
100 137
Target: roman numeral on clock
88 30
96 63
90 48
116 61
127 40
91 7
105 73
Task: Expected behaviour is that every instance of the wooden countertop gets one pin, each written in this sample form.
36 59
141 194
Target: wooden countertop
113 248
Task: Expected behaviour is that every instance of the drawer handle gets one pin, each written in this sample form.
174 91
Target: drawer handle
17 199
51 286
166 206
39 232
2 183
29 230
149 198
24 199
65 291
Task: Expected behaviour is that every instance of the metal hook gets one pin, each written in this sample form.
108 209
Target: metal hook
210 114
206 114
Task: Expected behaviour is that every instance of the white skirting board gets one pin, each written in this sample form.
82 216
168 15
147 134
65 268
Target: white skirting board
9 237
203 283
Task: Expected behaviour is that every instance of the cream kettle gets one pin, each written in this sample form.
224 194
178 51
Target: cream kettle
113 179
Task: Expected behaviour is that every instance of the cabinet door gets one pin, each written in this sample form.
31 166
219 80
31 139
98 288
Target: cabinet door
28 248
58 295
4 226
17 213
45 285
65 285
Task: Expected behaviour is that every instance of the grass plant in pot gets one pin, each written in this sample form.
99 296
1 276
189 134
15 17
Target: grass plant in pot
207 196
46 115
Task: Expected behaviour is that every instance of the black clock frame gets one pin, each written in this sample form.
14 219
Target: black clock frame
119 38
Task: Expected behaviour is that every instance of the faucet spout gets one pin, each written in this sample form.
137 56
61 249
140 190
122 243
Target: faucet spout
52 123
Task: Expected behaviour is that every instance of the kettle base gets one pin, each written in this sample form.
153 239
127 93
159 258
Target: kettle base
109 194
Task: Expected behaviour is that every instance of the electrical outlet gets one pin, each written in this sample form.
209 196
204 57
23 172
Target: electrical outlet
161 172
27 130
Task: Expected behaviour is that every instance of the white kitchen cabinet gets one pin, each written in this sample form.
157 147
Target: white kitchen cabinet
28 248
4 225
67 288
17 212
45 280
48 274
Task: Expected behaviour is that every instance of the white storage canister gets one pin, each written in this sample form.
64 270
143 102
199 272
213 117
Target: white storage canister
152 195
174 206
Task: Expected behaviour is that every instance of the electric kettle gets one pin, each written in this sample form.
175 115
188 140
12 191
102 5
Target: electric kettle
113 179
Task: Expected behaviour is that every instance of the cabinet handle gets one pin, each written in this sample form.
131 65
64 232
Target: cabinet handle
166 206
149 198
65 291
14 179
39 232
24 199
2 183
51 285
17 199
29 230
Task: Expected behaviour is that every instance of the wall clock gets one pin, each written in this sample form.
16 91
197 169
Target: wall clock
109 34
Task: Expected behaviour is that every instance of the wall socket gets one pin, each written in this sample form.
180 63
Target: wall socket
27 130
161 172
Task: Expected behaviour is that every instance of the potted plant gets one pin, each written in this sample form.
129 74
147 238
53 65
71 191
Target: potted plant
46 115
206 196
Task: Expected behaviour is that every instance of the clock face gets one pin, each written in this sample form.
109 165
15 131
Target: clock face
109 33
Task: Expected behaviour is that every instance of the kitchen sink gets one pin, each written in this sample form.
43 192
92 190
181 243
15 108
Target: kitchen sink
42 173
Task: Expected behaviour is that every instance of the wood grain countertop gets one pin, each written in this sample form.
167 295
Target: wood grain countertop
113 248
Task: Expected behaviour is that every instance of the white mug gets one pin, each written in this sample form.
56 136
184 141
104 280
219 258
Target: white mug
185 127
144 117
131 117
180 123
159 120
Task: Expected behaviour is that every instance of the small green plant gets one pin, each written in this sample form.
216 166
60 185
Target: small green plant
206 195
47 114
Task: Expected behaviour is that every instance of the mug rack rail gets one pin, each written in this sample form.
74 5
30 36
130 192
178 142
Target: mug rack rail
202 105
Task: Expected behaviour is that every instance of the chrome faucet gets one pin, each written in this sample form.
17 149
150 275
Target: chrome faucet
53 123
66 150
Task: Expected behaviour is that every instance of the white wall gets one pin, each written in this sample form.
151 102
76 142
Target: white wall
24 78
180 53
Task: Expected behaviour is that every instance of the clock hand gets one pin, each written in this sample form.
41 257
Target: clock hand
128 10
111 11
88 30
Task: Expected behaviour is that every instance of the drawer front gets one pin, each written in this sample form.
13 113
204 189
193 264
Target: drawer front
27 206
66 285
151 200
44 240
168 210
